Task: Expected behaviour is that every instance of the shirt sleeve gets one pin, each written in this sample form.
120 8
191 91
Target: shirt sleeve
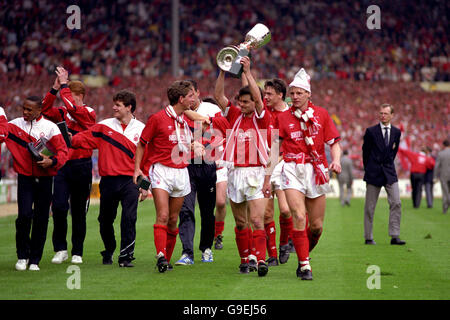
330 134
3 125
85 116
86 139
149 131
48 110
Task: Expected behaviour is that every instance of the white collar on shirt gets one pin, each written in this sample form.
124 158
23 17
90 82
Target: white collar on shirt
383 126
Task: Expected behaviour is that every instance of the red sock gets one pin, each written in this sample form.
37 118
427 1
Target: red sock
160 238
301 244
220 225
271 237
242 243
171 241
259 239
313 239
251 243
286 226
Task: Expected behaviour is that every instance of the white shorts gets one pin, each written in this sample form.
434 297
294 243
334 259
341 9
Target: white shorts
175 181
222 175
275 178
301 177
245 183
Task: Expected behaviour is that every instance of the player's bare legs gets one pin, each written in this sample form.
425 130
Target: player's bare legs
296 203
316 214
165 228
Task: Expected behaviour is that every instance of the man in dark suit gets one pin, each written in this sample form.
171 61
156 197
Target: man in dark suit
380 147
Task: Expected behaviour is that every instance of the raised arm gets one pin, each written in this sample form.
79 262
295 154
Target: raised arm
219 91
254 89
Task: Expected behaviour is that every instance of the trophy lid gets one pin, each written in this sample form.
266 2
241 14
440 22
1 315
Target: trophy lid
258 36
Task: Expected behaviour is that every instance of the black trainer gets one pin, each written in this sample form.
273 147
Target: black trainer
284 253
262 269
243 268
272 261
107 257
162 264
218 245
126 264
252 265
305 274
169 267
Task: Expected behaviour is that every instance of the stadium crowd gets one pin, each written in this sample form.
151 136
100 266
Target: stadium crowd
129 43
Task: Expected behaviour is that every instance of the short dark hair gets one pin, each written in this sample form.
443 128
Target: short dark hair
35 99
194 84
210 100
446 143
179 88
246 90
127 98
278 85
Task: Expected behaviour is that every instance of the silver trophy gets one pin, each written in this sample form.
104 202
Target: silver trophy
228 59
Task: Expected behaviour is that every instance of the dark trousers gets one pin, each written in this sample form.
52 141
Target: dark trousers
417 181
203 186
72 190
34 196
115 189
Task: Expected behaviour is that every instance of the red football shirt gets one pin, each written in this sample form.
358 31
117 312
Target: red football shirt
246 150
293 143
160 135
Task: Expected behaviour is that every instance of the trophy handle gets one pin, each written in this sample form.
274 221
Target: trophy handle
226 56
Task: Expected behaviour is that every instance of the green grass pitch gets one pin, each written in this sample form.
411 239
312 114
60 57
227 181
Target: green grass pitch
418 270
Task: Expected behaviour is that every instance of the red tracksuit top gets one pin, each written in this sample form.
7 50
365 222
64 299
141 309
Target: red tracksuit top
18 133
420 163
78 118
116 146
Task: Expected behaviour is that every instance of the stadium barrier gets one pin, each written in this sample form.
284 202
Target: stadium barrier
8 190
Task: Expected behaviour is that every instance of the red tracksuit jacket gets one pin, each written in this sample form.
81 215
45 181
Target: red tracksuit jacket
78 118
18 133
116 146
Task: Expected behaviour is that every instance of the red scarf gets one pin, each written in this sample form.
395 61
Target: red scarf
309 125
231 142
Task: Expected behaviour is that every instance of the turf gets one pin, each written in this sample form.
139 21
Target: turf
418 270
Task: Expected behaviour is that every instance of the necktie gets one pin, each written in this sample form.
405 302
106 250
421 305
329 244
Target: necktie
386 136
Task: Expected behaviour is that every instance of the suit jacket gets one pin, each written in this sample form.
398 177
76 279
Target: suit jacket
442 167
346 175
379 168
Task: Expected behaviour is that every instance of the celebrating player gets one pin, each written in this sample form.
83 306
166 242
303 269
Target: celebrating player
73 181
116 139
303 132
246 154
168 138
274 96
35 177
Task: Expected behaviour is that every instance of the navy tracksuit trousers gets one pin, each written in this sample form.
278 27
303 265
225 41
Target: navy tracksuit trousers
34 195
203 186
115 189
72 190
